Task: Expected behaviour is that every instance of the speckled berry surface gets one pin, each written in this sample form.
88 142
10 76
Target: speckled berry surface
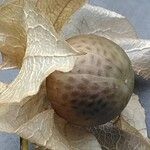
99 86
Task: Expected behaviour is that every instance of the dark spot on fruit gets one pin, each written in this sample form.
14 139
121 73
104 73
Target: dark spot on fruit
60 82
96 110
119 69
99 72
90 72
81 103
71 79
95 86
93 42
79 71
107 74
97 49
113 103
74 101
72 43
121 64
99 101
74 107
87 118
65 96
78 46
105 52
92 113
82 61
90 104
83 94
81 86
83 112
85 81
113 56
75 93
68 87
109 60
63 104
105 83
103 105
106 91
114 86
92 58
83 41
88 48
93 96
104 113
110 96
108 67
98 62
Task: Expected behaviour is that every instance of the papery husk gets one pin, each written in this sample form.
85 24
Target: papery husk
102 22
134 115
58 12
12 34
127 127
97 20
113 138
2 87
24 108
49 130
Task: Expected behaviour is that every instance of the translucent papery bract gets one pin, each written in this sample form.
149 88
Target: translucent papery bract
111 137
138 51
12 35
49 130
96 20
134 115
27 33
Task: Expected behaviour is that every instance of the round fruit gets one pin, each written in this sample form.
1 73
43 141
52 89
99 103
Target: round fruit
99 86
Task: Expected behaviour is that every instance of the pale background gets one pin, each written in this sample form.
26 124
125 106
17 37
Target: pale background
138 13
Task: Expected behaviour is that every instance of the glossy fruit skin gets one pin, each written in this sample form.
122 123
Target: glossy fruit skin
99 86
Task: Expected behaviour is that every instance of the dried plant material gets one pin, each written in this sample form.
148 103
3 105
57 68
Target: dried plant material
2 86
58 12
51 131
124 125
138 51
13 115
132 119
134 114
99 21
13 36
96 20
29 41
12 32
12 44
113 138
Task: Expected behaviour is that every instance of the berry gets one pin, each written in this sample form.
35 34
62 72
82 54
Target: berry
99 86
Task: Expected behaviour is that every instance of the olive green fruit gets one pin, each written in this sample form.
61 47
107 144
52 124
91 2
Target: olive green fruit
99 86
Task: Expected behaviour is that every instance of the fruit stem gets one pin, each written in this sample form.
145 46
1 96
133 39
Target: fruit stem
24 144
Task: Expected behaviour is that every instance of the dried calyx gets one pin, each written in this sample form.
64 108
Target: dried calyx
99 86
